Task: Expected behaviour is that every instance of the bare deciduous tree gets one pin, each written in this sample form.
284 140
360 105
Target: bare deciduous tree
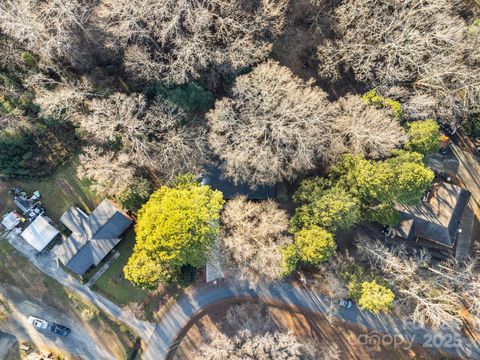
154 135
388 41
110 173
136 309
257 337
10 56
252 234
420 107
430 293
63 99
365 130
454 80
426 43
54 29
176 40
274 127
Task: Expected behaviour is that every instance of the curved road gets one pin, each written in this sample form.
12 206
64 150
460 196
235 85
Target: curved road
184 311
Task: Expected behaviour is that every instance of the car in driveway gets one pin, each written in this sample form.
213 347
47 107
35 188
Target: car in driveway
59 329
346 303
38 323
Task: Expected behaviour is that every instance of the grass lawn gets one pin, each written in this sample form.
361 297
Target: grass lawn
58 192
112 284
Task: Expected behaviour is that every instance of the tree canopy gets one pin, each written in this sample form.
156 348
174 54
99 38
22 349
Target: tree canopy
364 130
314 244
424 136
359 189
253 235
176 227
334 209
375 297
402 178
273 127
179 40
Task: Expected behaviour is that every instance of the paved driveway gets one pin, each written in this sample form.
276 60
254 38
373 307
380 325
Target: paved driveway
285 294
47 263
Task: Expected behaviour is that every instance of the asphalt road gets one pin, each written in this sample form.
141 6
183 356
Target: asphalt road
189 306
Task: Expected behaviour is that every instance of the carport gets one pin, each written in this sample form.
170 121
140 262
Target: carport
40 233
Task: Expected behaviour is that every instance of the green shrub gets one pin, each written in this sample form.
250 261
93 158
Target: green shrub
6 105
88 311
29 59
25 100
424 136
123 329
373 98
472 124
290 258
191 97
384 214
334 209
15 150
186 275
375 297
136 194
315 245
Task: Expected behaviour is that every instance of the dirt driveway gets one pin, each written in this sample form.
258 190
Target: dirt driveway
80 342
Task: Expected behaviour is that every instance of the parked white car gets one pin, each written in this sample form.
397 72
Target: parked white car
38 323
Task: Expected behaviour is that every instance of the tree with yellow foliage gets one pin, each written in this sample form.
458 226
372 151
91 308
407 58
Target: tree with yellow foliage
175 228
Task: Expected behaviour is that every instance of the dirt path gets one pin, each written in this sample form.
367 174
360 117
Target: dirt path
80 342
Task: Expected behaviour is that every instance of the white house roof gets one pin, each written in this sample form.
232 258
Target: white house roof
11 220
39 233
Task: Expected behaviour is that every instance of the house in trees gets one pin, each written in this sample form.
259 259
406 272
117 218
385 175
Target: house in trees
93 236
435 223
213 176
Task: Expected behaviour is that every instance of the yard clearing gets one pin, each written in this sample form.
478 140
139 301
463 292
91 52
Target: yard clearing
59 192
112 284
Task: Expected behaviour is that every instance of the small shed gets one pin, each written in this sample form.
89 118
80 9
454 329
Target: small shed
11 220
40 233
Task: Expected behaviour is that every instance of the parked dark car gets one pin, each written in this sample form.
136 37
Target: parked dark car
442 176
388 231
346 303
59 329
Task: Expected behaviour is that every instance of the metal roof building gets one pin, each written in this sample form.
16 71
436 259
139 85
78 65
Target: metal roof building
93 236
437 220
11 220
214 178
40 233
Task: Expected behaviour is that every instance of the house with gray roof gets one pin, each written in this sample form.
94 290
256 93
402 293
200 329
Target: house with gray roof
93 236
436 221
214 177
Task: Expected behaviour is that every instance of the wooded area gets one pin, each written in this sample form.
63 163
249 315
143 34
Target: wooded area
337 103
